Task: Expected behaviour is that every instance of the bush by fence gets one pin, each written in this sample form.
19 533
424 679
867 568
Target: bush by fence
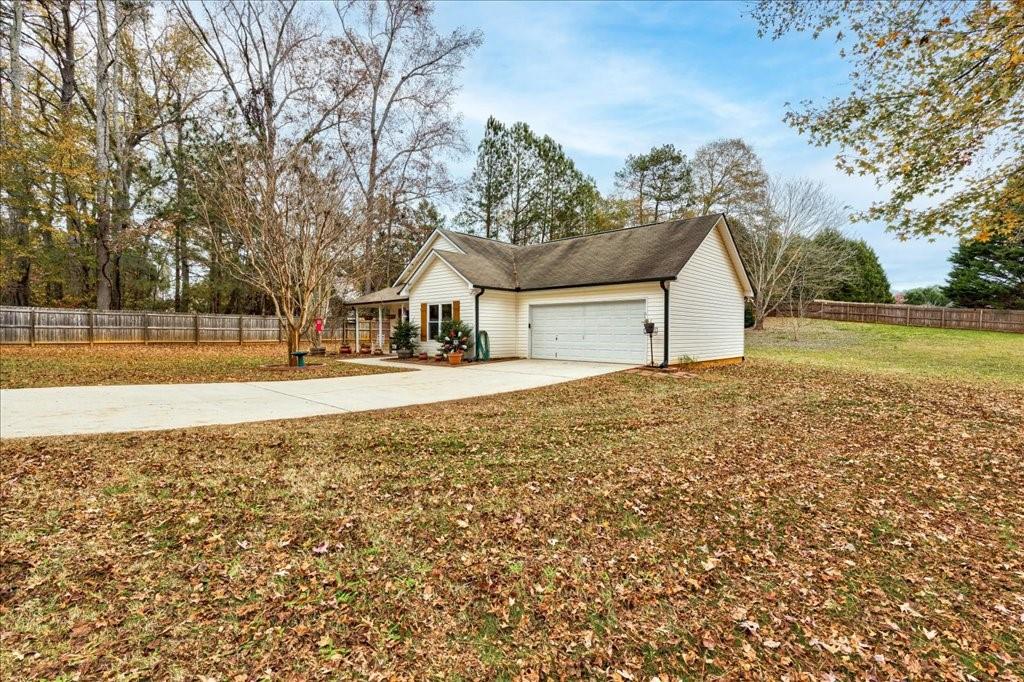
915 315
70 326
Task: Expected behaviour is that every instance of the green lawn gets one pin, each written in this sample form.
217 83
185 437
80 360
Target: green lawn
972 356
795 517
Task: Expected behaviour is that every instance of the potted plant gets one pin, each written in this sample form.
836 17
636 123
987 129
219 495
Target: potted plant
454 340
403 337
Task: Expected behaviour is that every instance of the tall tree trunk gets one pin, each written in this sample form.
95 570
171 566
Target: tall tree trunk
104 274
67 61
20 291
182 294
123 171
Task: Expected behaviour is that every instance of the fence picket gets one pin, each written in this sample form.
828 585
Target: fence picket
40 326
987 319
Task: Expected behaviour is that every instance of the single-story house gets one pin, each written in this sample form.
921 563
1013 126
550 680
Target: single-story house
586 297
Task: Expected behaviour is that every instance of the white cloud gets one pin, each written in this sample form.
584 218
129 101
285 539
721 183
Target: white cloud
604 90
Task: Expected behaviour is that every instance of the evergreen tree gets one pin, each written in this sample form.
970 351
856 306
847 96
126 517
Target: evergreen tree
525 189
932 295
866 281
988 274
659 183
489 185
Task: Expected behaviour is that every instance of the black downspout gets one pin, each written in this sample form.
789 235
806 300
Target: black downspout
665 289
476 323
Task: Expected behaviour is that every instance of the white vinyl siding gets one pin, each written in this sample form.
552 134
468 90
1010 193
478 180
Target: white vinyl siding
498 319
444 244
706 305
439 284
649 292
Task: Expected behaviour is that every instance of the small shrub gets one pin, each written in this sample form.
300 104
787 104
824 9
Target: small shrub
454 337
404 336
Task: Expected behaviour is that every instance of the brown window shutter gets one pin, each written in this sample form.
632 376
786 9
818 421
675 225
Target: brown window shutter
455 310
423 321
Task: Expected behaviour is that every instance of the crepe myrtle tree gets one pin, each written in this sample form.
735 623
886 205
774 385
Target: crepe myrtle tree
294 235
283 195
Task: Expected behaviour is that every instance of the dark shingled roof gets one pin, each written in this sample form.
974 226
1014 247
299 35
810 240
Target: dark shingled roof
388 295
633 254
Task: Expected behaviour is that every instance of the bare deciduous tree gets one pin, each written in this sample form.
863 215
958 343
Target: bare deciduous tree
397 138
284 194
294 236
727 176
781 244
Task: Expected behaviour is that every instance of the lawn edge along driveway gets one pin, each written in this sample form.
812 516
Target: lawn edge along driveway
62 411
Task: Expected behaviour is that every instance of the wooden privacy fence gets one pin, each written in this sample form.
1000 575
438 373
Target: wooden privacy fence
77 326
915 315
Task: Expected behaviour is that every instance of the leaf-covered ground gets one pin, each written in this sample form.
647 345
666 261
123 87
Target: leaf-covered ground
767 520
36 366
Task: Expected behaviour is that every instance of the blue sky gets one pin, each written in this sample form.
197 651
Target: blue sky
610 79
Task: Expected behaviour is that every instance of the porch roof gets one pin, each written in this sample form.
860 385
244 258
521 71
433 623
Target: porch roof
381 296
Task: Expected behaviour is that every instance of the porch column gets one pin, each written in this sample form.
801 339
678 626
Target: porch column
380 328
355 346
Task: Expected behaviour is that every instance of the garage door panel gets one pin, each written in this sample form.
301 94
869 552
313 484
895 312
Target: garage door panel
606 331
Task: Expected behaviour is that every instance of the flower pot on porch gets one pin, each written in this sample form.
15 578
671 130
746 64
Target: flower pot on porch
404 353
345 349
455 358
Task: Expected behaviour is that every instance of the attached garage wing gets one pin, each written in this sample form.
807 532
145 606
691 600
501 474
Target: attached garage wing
611 331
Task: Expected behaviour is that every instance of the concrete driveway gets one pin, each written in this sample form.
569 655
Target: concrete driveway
112 409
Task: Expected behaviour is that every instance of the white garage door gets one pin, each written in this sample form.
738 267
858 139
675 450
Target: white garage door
599 332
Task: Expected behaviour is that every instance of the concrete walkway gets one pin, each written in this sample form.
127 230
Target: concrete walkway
112 409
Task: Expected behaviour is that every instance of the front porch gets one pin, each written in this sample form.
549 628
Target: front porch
375 315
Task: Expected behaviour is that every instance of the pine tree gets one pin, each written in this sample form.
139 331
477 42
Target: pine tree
659 183
489 185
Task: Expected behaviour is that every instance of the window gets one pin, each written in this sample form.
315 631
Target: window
436 314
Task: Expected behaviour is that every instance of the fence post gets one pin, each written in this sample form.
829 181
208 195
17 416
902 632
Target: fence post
980 311
195 320
908 315
32 327
145 328
239 330
92 327
280 329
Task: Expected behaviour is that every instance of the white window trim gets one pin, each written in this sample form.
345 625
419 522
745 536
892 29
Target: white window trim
440 317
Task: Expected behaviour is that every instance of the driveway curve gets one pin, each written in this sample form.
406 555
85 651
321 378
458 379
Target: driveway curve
72 410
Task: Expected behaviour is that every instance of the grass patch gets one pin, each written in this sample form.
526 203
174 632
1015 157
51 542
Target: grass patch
40 366
779 518
963 355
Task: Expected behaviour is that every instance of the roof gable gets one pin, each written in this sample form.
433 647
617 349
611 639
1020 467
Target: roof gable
636 254
438 239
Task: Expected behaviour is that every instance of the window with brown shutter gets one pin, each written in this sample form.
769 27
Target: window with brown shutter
455 310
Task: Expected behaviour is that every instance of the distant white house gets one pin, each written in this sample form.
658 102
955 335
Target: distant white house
583 298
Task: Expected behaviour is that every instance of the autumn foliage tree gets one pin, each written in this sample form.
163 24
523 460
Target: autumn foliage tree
935 112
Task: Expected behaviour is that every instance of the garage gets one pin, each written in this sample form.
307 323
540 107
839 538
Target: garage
607 331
